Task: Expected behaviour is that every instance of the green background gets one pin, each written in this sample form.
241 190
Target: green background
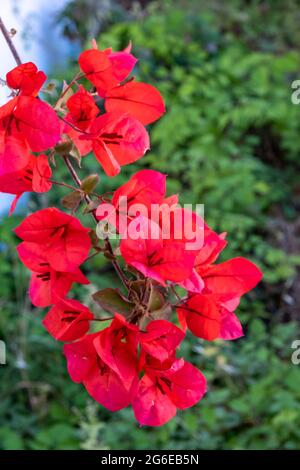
230 140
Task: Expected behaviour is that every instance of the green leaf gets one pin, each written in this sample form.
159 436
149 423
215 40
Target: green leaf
72 200
113 301
156 300
64 147
89 183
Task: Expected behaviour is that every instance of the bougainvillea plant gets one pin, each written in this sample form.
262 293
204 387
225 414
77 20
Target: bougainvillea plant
162 249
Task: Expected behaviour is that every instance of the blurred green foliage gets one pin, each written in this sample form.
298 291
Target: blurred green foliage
229 140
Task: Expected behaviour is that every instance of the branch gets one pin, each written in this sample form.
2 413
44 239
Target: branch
88 200
75 176
10 43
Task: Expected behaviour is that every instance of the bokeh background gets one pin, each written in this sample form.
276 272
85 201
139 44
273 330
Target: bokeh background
230 140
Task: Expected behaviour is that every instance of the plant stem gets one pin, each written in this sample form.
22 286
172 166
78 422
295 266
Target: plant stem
88 200
175 293
78 77
65 185
9 42
74 175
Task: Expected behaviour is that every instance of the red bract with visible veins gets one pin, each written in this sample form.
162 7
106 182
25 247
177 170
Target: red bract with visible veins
82 112
65 240
160 339
116 346
82 109
33 177
144 249
67 320
37 122
213 245
26 78
14 149
101 382
161 392
180 225
140 100
144 188
117 140
46 283
209 315
33 125
26 120
106 69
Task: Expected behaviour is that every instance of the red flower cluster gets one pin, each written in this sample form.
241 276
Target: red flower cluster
209 313
108 365
164 247
55 245
117 137
27 125
214 290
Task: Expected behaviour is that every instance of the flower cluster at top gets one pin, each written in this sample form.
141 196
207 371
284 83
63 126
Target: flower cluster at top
161 253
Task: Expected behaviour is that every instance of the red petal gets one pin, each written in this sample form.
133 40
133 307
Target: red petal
151 406
194 283
40 292
41 174
71 249
202 316
176 263
40 227
68 242
68 320
33 256
97 68
83 146
139 245
38 123
141 100
144 187
82 108
122 64
14 153
129 147
188 384
118 355
183 226
234 277
81 357
161 338
213 245
26 78
231 327
107 388
14 204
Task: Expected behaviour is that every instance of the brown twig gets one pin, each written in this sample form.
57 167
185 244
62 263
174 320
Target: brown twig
10 43
78 77
74 175
88 200
65 185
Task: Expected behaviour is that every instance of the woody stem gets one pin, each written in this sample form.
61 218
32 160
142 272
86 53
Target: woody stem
9 42
78 77
75 176
65 185
88 200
